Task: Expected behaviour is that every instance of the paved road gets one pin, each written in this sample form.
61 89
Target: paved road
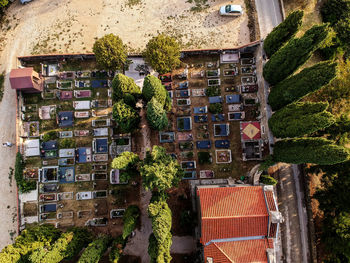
269 15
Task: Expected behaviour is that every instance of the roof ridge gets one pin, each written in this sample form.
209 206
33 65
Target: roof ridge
228 258
238 216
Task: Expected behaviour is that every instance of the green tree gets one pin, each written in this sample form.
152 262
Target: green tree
122 85
55 254
152 87
343 30
159 170
95 250
156 115
300 118
117 249
333 11
300 85
162 53
294 54
132 213
309 150
159 253
283 32
110 52
126 160
81 238
125 116
3 3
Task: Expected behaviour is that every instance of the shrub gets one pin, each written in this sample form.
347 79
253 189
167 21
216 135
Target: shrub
125 116
266 179
117 249
296 87
152 87
162 53
110 52
294 54
156 115
95 250
130 217
283 32
48 136
122 85
159 252
333 11
301 118
125 160
82 237
216 108
24 186
309 150
204 157
212 91
67 143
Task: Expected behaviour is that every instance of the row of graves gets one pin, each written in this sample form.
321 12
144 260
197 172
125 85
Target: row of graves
228 80
78 147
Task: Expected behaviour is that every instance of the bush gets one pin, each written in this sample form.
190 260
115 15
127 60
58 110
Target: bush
156 115
24 186
82 237
152 87
162 53
67 143
125 116
216 108
266 179
204 157
122 85
95 250
110 52
159 252
117 249
309 150
333 11
283 32
294 54
130 217
49 136
301 118
212 91
296 87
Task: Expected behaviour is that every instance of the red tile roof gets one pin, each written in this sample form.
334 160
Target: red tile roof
250 130
270 201
238 251
229 212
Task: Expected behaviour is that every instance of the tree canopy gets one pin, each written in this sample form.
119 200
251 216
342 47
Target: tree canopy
95 250
162 53
153 88
122 85
299 85
283 32
299 119
294 54
130 217
3 3
125 160
159 170
156 115
334 10
110 52
309 150
125 116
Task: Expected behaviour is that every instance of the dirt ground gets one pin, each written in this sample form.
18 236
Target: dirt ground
71 26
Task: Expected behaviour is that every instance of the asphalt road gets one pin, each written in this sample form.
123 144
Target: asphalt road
269 15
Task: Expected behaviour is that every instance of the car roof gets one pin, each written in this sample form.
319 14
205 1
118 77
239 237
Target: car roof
236 7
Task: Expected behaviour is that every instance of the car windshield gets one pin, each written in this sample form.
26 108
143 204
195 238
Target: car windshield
227 8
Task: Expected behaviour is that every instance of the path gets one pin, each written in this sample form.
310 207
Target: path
293 232
138 245
183 245
269 15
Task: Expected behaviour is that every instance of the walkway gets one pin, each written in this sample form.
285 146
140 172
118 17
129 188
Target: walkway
269 15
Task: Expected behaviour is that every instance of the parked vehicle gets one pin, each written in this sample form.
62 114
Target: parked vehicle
231 10
25 1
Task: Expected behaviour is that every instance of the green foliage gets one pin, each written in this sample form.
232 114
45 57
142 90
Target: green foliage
204 157
110 52
160 171
82 237
3 3
55 254
152 87
117 249
339 131
266 179
162 53
283 32
2 79
24 186
130 100
297 86
159 253
294 54
48 136
309 150
67 143
343 30
216 108
132 213
268 161
125 160
122 85
156 115
300 118
125 116
334 10
212 91
95 250
31 239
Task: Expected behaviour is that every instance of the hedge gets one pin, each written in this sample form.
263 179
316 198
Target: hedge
130 217
283 32
296 87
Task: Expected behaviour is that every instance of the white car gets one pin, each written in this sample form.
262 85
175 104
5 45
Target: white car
231 10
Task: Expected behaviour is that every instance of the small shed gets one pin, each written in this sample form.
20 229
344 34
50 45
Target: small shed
26 80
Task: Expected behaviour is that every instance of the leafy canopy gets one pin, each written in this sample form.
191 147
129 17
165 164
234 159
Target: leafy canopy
123 85
110 52
152 87
95 250
125 116
130 217
126 160
156 115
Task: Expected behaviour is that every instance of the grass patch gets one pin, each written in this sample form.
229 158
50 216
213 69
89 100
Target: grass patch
131 3
200 5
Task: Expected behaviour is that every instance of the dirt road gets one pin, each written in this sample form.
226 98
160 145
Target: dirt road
269 15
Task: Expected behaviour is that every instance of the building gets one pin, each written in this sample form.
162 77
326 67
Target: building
26 80
238 224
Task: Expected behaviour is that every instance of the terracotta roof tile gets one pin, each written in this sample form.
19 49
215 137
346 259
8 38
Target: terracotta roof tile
270 201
